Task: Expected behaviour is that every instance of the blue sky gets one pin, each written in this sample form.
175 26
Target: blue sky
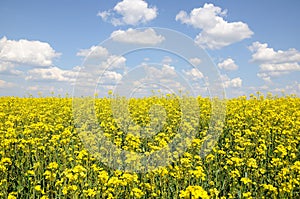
253 44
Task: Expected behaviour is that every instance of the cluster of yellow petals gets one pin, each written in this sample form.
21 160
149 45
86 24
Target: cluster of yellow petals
257 155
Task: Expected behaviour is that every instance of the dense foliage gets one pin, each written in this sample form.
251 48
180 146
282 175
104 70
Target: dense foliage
257 154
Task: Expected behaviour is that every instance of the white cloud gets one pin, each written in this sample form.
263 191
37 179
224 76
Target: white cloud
162 78
194 74
231 83
265 76
109 78
195 61
34 53
274 63
283 67
264 54
104 15
7 68
148 36
216 32
133 12
166 71
114 62
94 51
52 73
5 84
166 79
107 60
101 71
236 82
228 64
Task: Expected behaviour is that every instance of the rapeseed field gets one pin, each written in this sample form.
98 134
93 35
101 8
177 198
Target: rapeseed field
43 154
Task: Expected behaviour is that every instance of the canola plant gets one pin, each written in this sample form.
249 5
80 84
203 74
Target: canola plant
43 154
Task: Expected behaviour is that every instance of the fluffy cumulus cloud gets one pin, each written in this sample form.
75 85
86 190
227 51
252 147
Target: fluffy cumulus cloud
108 61
109 78
165 72
274 63
129 12
158 74
163 78
236 82
228 64
264 54
231 83
52 73
194 74
147 36
94 51
113 62
25 52
216 32
102 68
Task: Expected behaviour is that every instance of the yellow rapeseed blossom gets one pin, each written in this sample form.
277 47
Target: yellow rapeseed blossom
194 192
136 193
246 180
45 153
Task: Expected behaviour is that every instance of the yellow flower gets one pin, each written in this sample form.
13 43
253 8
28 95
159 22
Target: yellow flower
270 188
12 195
198 172
59 183
247 195
194 192
235 173
39 189
136 193
30 172
49 175
246 180
210 157
6 161
65 190
52 165
259 144
237 161
90 192
252 163
103 176
214 192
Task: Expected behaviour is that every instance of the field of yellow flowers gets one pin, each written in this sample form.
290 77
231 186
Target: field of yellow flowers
257 155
